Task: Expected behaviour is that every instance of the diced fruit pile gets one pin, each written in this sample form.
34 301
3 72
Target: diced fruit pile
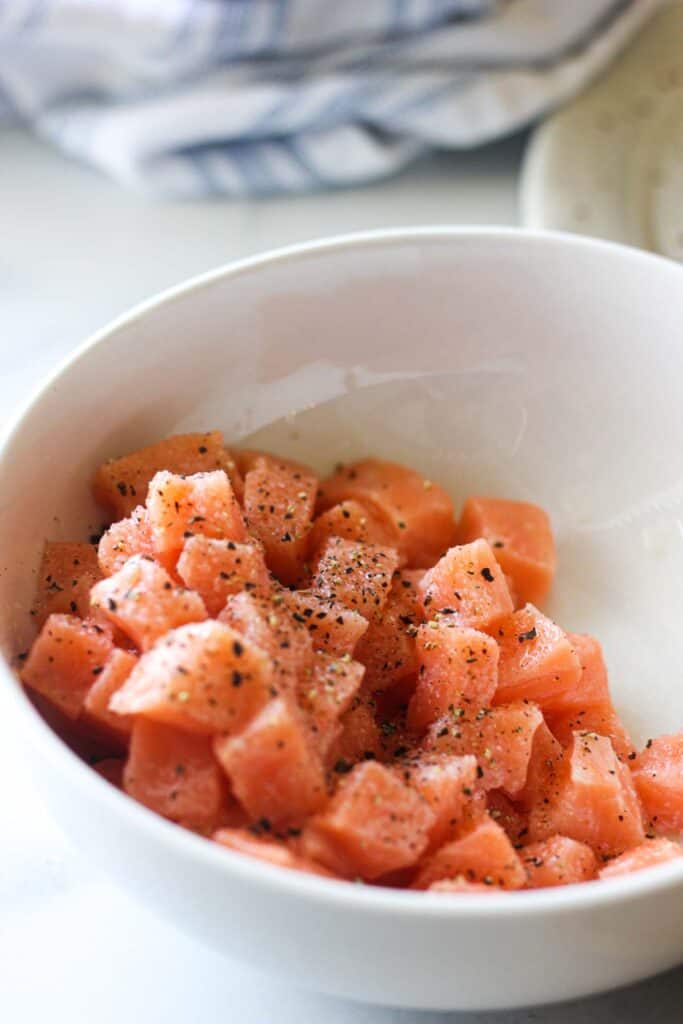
339 677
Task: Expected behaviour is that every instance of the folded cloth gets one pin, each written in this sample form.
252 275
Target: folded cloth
244 97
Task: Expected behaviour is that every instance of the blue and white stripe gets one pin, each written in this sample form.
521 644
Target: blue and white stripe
248 97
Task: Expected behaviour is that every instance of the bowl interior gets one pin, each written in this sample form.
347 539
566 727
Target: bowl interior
540 369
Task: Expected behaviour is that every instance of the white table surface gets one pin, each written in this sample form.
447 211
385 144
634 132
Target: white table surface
74 252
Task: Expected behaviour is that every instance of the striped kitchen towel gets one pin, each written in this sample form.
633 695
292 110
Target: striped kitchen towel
246 97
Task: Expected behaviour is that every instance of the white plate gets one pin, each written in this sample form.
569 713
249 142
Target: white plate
611 163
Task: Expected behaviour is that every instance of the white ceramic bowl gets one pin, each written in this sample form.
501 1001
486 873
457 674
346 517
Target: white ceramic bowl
537 367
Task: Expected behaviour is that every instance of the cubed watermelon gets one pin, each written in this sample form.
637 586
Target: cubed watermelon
334 628
180 507
388 648
273 851
121 484
521 538
269 625
359 737
142 600
469 586
65 660
203 677
458 668
374 824
357 575
500 738
96 711
326 693
66 574
594 801
418 512
537 660
658 776
215 569
125 538
648 855
483 854
175 774
279 500
558 860
449 785
275 771
587 707
350 520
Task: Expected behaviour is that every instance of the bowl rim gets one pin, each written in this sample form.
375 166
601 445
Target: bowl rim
331 893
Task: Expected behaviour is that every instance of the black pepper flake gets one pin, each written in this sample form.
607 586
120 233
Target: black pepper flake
111 604
122 488
480 772
237 678
202 449
487 574
342 766
648 744
237 648
96 671
530 634
286 538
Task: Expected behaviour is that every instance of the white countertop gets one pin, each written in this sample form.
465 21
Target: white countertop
74 252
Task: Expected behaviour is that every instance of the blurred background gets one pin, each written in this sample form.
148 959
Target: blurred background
145 141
